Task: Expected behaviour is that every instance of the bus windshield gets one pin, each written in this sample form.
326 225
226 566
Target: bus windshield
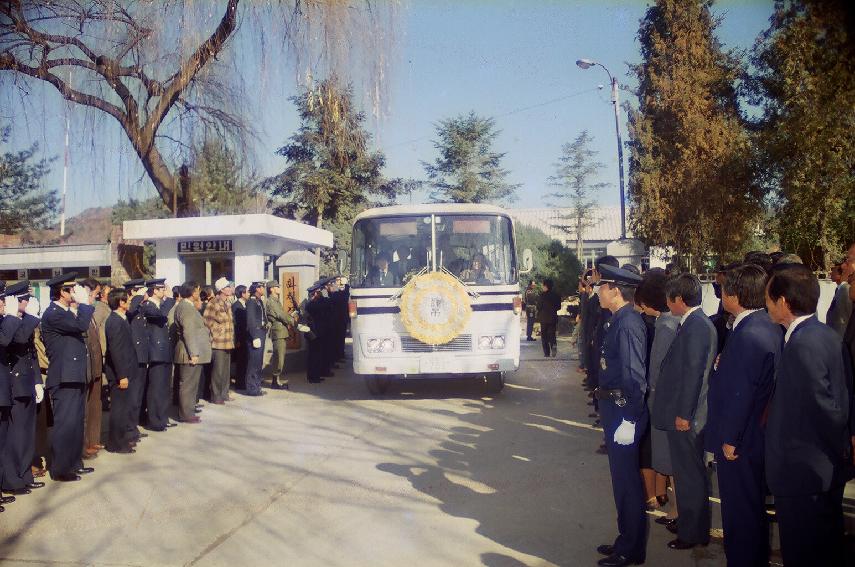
388 251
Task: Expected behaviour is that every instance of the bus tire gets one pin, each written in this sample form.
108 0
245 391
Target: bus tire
377 385
495 382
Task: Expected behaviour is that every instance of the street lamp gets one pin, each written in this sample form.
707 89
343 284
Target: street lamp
587 64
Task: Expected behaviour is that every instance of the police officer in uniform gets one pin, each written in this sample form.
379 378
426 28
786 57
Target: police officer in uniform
621 391
9 325
155 311
139 331
314 312
21 443
62 333
256 328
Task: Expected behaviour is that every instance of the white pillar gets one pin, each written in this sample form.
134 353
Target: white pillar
249 260
167 263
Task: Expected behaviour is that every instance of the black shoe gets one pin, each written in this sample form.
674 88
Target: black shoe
606 550
141 435
18 491
85 470
2 509
665 521
125 451
158 428
197 410
7 499
171 424
618 561
672 527
680 544
35 484
593 414
65 477
276 386
315 380
602 450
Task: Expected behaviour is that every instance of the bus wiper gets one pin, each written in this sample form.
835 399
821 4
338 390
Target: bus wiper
397 295
472 293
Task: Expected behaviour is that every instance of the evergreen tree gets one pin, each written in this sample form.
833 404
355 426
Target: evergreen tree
691 184
573 180
551 260
806 87
219 183
331 175
25 205
467 170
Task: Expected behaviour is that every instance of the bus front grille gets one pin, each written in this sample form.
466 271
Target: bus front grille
461 343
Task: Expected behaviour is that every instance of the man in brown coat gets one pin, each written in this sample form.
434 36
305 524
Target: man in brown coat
95 353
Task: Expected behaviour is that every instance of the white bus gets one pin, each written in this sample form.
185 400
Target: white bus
435 293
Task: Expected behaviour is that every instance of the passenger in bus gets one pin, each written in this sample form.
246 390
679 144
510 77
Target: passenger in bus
382 275
478 271
404 264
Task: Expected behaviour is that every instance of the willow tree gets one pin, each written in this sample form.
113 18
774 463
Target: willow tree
691 184
162 70
806 87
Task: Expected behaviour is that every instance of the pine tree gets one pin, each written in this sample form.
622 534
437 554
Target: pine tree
332 174
25 205
467 170
219 183
575 189
806 87
691 184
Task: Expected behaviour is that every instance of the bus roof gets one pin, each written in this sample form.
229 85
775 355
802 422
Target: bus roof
436 208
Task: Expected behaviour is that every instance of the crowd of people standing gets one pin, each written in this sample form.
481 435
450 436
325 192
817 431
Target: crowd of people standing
135 351
762 389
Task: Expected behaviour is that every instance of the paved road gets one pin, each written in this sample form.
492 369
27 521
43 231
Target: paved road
437 473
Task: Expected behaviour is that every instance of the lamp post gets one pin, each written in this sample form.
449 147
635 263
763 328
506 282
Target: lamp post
587 64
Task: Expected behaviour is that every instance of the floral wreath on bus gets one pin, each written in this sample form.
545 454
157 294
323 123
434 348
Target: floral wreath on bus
435 308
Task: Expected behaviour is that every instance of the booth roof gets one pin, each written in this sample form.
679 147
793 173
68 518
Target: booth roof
226 226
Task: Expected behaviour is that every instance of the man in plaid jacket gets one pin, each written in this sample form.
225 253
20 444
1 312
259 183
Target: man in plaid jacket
219 319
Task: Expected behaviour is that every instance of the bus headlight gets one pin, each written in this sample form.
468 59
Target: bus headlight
382 344
491 342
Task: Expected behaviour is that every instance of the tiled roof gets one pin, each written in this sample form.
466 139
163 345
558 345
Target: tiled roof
550 220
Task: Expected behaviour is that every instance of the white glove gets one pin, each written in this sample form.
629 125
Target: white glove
625 433
33 307
80 295
256 343
303 328
40 393
11 303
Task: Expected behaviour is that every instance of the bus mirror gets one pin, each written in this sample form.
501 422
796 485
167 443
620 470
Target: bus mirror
527 261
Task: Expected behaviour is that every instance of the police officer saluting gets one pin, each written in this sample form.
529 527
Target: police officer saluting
622 386
155 311
62 333
139 331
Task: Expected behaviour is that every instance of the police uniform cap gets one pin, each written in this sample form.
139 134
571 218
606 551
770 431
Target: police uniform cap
317 285
271 284
618 276
21 290
61 279
134 283
156 282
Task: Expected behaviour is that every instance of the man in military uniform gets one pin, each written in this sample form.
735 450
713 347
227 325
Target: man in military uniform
621 391
155 311
21 443
139 331
279 323
62 332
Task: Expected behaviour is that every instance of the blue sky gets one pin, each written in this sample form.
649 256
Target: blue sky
514 61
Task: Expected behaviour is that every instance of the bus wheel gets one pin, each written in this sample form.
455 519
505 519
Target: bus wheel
495 382
377 385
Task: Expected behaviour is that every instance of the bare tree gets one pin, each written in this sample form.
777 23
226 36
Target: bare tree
156 66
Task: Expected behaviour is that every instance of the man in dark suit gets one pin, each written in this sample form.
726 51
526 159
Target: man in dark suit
680 407
159 378
139 331
240 357
121 368
62 333
807 433
739 389
314 317
383 275
9 325
256 328
18 456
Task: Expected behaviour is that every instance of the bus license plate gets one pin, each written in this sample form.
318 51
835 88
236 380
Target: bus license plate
434 365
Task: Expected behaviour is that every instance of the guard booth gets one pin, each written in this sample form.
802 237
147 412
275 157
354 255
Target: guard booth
241 248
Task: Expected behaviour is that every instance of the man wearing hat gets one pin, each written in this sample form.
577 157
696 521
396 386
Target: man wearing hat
220 320
139 331
621 391
155 311
314 318
9 325
20 446
279 322
62 333
256 328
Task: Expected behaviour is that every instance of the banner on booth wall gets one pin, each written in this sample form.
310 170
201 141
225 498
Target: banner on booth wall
290 284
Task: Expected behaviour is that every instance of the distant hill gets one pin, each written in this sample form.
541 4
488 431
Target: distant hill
91 226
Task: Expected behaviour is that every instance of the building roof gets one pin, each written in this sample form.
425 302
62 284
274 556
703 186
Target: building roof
59 255
223 226
550 220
